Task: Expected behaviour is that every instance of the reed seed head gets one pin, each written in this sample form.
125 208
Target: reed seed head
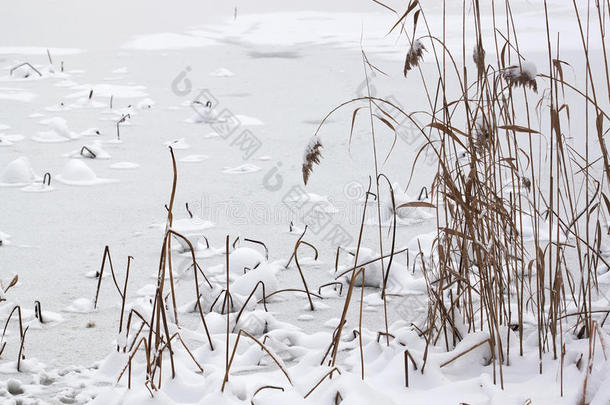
524 76
478 56
414 56
312 156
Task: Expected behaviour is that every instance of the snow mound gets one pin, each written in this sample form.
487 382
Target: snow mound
77 173
242 260
92 151
398 281
58 131
81 306
405 215
222 72
264 273
19 172
243 257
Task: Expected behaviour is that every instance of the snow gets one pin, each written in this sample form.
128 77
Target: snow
38 50
80 305
222 72
165 41
194 158
78 173
59 131
178 144
248 121
19 172
291 67
105 90
242 169
14 94
95 151
264 273
124 165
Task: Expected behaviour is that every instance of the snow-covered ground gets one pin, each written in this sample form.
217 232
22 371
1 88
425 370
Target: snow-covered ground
120 83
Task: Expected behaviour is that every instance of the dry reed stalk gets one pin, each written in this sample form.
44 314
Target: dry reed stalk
365 63
291 290
21 345
119 122
124 297
296 260
16 308
275 360
248 300
258 242
197 291
408 357
328 374
294 250
229 307
101 275
488 341
167 345
25 64
372 261
131 356
335 283
337 338
38 311
227 295
265 387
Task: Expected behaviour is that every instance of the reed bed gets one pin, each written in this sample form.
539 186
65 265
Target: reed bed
519 232
487 271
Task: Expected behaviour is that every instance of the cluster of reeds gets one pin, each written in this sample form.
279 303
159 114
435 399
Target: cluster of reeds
494 182
22 331
153 337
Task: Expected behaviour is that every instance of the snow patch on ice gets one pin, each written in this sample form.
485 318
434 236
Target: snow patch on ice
241 169
15 94
124 165
194 158
222 72
166 41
